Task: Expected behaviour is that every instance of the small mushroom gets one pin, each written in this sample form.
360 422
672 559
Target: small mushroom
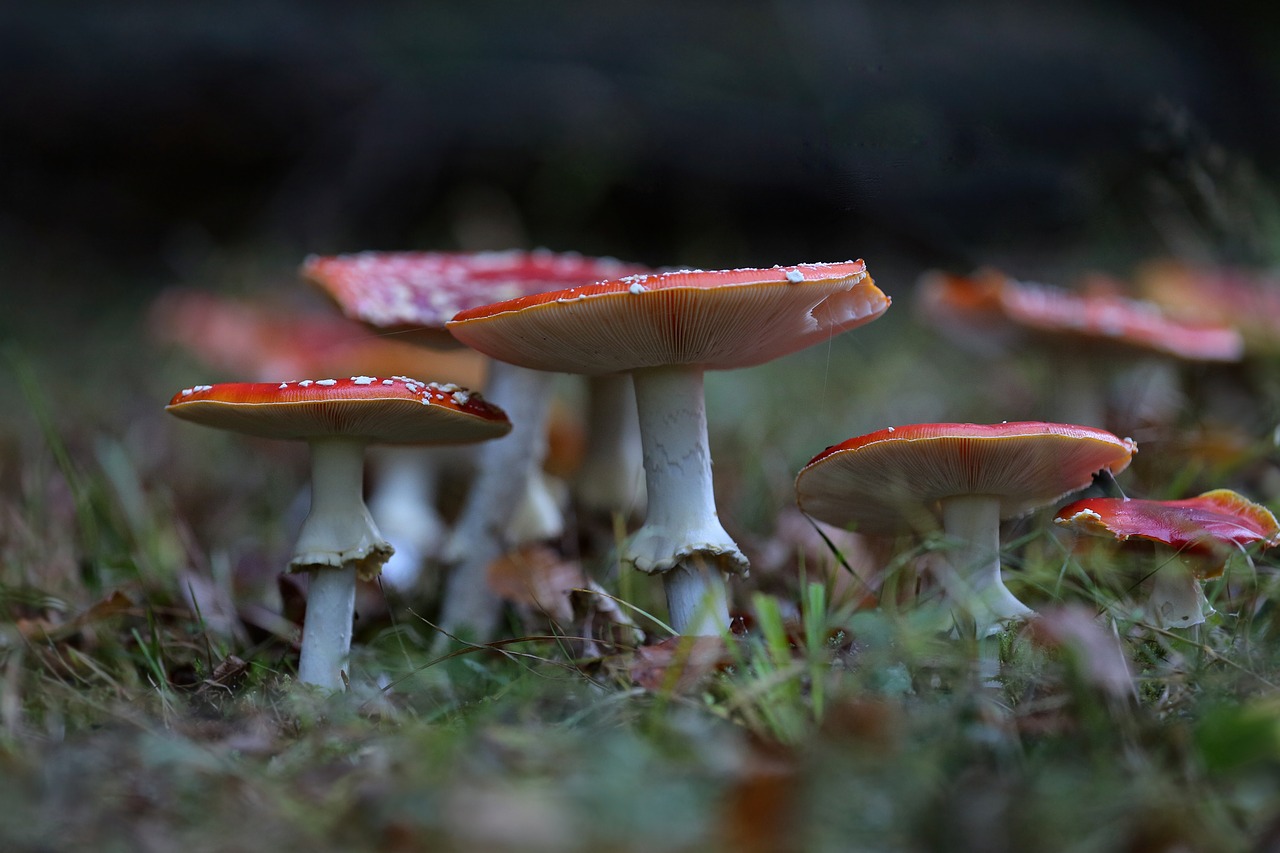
262 339
1194 538
666 330
967 477
338 418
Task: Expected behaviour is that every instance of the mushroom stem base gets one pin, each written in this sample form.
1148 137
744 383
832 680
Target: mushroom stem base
1177 598
326 637
697 598
339 532
980 599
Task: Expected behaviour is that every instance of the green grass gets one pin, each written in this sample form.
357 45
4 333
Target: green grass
130 719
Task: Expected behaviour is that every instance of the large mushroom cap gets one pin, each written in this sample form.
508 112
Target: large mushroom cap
992 305
1214 523
398 410
883 480
1248 300
711 319
421 291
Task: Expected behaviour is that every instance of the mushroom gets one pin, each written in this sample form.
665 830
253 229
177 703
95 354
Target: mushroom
1194 538
416 293
263 339
1091 329
1248 300
337 418
666 329
966 476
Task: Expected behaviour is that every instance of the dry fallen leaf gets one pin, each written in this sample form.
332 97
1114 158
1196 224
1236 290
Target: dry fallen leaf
678 664
536 577
42 630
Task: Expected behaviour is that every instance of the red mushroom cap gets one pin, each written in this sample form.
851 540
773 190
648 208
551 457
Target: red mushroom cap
991 303
1248 300
265 339
881 480
398 410
720 319
1214 523
421 291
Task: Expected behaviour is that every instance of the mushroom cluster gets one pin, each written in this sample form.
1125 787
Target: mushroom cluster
509 503
646 339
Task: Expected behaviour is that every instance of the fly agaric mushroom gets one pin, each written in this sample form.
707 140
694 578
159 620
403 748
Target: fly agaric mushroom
1197 535
416 293
263 339
337 418
666 329
1094 328
967 476
1248 300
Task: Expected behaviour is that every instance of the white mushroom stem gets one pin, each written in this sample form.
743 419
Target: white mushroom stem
611 478
504 470
682 537
339 531
402 502
338 541
972 525
539 515
1177 598
326 638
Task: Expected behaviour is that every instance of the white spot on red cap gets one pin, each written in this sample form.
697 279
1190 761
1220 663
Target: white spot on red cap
795 276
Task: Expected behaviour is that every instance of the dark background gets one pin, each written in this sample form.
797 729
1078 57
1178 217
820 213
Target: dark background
143 141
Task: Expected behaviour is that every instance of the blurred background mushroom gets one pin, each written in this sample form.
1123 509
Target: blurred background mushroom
1110 356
